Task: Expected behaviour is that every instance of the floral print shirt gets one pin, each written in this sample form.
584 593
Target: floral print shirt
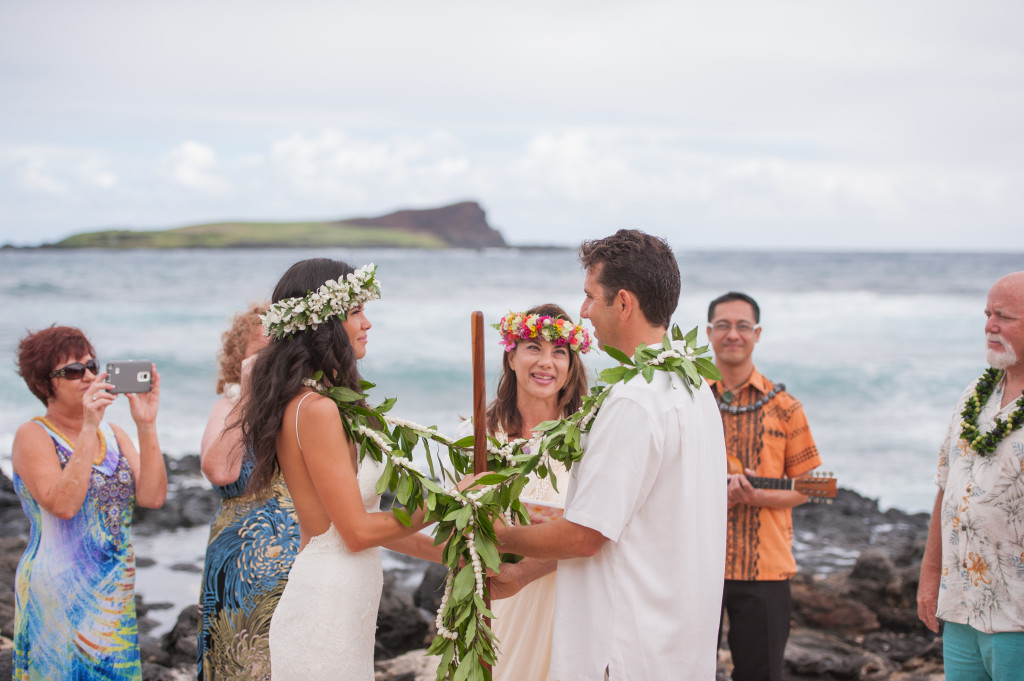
982 525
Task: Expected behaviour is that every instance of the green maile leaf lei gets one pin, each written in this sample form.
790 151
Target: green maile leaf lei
986 443
465 520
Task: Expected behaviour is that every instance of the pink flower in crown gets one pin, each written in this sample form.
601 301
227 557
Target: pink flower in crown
515 327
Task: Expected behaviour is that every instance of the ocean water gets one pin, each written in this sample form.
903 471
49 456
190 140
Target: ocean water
877 346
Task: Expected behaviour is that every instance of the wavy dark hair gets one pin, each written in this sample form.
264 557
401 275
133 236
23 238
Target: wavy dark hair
279 368
639 263
503 412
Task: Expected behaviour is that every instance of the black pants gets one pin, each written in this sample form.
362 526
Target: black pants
758 627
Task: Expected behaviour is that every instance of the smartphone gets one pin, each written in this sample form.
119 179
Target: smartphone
130 376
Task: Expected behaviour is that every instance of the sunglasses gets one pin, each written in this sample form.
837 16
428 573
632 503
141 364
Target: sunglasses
76 370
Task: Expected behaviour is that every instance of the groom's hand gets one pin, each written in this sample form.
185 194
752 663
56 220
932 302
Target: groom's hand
506 583
514 576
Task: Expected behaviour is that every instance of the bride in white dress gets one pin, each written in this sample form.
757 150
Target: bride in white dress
325 623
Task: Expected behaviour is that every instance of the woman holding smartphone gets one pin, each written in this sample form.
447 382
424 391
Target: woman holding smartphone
79 480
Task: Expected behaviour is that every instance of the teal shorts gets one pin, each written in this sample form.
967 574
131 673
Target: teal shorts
972 655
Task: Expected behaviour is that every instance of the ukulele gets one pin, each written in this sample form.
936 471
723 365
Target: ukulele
820 487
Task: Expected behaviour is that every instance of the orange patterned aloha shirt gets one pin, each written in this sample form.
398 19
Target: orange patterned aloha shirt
775 441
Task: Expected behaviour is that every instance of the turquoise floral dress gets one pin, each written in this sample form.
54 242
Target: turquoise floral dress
253 543
74 612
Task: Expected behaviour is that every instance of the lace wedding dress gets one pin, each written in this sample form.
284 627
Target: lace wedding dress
325 623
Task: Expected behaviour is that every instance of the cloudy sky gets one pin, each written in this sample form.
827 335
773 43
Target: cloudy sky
792 124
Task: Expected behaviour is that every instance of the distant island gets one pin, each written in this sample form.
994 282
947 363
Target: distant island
461 225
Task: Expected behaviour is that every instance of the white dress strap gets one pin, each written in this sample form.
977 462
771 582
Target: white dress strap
297 441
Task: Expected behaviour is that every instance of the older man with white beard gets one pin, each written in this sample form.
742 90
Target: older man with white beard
972 573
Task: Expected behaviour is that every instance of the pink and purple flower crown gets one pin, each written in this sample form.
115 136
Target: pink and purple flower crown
517 326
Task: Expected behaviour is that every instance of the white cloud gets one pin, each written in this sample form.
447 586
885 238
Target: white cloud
792 124
94 172
192 165
335 166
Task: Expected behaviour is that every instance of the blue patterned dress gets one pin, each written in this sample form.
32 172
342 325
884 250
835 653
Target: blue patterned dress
74 614
251 550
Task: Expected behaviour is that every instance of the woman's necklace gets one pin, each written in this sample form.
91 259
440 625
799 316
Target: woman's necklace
728 397
52 426
986 443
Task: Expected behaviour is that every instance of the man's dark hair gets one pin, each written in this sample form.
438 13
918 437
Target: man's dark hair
640 263
730 297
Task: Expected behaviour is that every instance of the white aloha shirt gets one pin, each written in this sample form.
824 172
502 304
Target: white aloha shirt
982 525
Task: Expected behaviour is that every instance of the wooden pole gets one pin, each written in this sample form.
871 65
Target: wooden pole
479 413
479 396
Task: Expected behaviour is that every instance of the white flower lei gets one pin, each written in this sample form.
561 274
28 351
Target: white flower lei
332 299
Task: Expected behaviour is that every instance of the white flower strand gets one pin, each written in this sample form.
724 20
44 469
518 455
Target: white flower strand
442 630
432 430
663 355
376 437
478 570
506 451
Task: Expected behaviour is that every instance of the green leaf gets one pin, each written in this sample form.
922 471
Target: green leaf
464 669
481 606
464 443
677 333
648 372
452 553
691 372
613 375
465 582
462 517
433 487
707 369
691 337
402 515
488 552
382 482
404 490
486 479
343 394
618 355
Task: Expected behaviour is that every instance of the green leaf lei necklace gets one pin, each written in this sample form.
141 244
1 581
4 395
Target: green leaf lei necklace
465 520
985 444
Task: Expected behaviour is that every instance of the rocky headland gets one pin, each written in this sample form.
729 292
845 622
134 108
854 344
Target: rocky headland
854 600
460 225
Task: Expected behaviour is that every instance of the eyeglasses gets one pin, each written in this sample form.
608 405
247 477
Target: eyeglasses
76 370
742 328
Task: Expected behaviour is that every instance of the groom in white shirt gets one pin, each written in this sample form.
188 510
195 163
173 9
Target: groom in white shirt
640 550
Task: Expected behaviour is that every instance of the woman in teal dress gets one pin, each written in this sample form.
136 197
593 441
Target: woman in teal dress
79 480
253 541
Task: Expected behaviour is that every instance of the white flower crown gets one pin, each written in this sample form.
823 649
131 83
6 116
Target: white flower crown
332 299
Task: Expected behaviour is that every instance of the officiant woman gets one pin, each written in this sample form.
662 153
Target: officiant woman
543 378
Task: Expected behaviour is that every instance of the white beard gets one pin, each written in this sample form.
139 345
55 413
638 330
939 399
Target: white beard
1000 359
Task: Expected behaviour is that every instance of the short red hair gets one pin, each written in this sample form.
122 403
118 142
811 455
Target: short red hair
39 353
